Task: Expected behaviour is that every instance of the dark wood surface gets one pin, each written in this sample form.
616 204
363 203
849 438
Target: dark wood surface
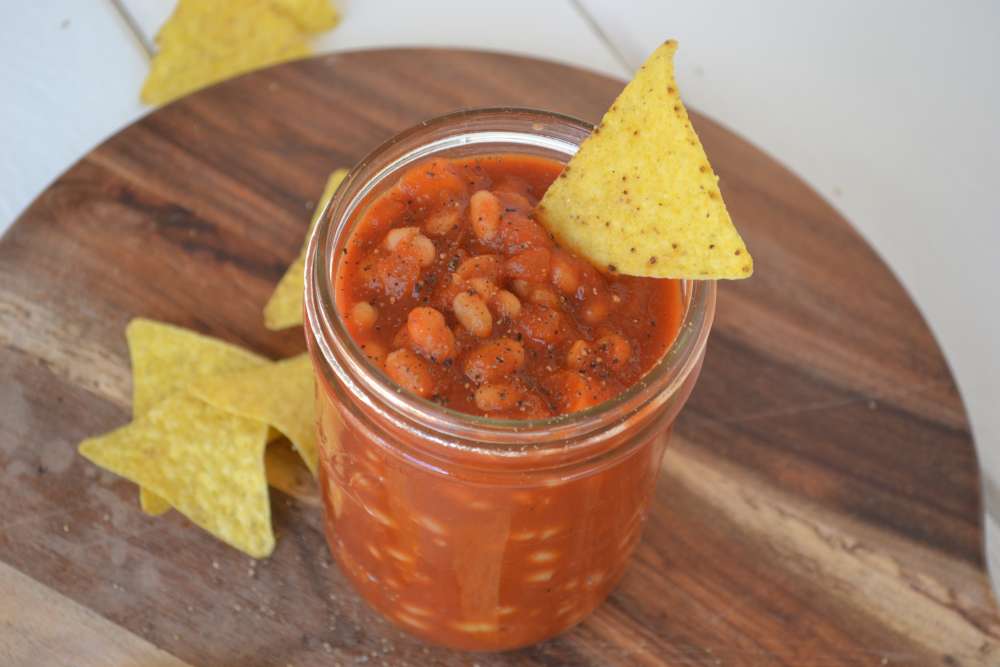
819 504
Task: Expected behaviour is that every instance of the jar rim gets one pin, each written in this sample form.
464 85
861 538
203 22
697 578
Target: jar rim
359 376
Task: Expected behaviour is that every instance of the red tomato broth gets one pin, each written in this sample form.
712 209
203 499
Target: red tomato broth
478 559
475 549
522 260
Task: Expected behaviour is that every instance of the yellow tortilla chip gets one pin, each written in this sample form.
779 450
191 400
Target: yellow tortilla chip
207 41
165 359
640 197
284 308
207 463
288 473
309 15
281 394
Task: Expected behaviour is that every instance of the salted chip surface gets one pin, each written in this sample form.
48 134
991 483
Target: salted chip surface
207 41
165 359
640 197
284 308
206 462
281 394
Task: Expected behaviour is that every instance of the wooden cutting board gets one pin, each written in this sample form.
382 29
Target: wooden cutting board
819 505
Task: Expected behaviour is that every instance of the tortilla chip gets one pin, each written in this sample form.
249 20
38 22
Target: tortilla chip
152 504
288 473
284 308
165 359
207 463
207 41
640 197
281 394
309 15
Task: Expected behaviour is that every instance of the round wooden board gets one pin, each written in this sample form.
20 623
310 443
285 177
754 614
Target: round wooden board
819 503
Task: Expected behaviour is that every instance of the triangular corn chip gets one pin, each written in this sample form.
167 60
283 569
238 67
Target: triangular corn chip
207 41
165 359
288 473
284 308
309 15
205 462
281 394
640 198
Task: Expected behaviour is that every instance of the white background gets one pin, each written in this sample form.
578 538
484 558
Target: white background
888 109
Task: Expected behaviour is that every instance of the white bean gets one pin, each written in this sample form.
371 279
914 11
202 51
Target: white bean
484 212
472 313
364 315
507 304
396 236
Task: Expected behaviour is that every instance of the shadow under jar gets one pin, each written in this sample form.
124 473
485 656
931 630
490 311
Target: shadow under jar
471 532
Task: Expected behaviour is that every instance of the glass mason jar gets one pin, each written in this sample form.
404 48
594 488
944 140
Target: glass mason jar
471 532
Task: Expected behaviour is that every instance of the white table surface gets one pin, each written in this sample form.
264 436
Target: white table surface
888 109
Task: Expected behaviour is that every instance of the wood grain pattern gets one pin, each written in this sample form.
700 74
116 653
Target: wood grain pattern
819 505
40 627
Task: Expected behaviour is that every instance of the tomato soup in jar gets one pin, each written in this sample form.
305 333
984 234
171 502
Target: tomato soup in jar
492 409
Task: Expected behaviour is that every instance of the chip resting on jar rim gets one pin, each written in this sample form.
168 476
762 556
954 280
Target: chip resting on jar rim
640 197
